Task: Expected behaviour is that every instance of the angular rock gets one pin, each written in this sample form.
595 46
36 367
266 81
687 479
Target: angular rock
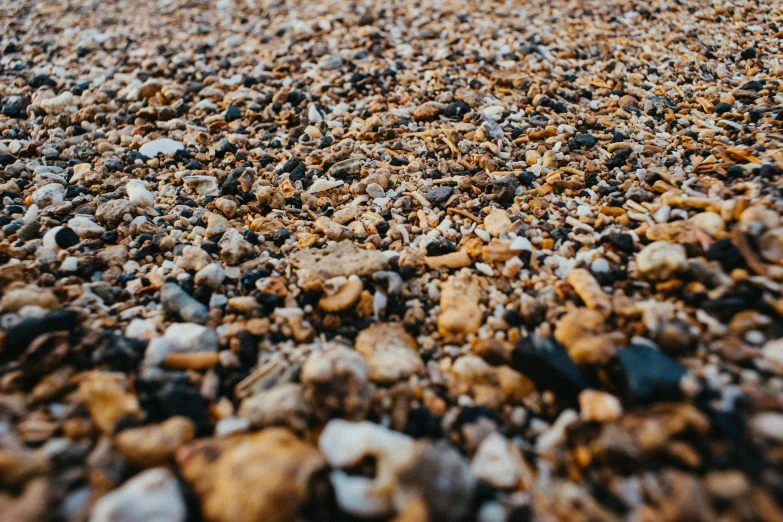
649 375
391 352
549 366
176 301
151 496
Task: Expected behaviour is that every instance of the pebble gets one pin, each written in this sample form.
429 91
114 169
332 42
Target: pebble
768 426
112 213
211 276
598 406
459 308
177 302
497 222
242 478
499 463
649 374
661 261
108 400
336 383
390 352
138 194
549 366
161 146
283 405
85 227
152 495
155 445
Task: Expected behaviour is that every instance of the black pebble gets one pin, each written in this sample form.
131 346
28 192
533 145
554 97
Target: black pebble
649 375
734 171
456 109
231 114
20 335
179 399
281 234
549 366
586 140
721 108
440 194
66 238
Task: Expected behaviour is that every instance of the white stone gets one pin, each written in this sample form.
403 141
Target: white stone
86 227
141 329
138 194
498 463
57 103
151 496
202 185
50 194
70 264
661 260
211 276
161 146
768 425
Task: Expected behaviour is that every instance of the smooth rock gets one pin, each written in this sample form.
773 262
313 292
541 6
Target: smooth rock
138 194
549 366
650 375
390 352
176 301
150 496
211 276
160 146
85 227
155 444
660 260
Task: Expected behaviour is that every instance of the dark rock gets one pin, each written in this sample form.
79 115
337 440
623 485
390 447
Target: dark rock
66 238
649 375
585 140
549 366
721 108
20 335
224 147
440 194
456 109
231 114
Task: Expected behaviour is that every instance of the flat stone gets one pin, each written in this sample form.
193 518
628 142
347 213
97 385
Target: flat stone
161 146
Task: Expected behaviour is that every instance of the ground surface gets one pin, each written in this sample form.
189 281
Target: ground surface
391 260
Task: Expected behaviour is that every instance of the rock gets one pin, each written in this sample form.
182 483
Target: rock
460 314
31 505
56 104
141 329
332 230
661 261
20 465
335 382
439 194
28 231
649 375
138 194
233 247
21 334
112 212
50 194
85 227
216 225
549 366
500 464
108 400
329 62
768 426
154 445
586 336
227 206
345 444
342 259
15 298
427 111
193 258
598 406
497 222
151 496
160 146
489 386
438 477
772 356
251 477
202 185
211 276
282 405
390 352
344 298
114 255
771 245
588 289
177 302
181 338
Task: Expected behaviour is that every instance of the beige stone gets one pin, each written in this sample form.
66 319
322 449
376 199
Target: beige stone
390 352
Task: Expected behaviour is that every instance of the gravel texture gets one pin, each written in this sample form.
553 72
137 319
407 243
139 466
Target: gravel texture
406 261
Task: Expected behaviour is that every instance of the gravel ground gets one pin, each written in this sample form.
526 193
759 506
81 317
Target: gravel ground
394 261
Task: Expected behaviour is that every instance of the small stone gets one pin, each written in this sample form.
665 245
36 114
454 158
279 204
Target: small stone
21 334
211 276
772 353
162 146
85 227
233 247
202 185
14 299
227 206
138 194
176 301
151 496
459 308
345 444
113 211
142 329
155 445
193 258
216 225
650 375
180 338
598 406
330 62
771 245
335 382
440 194
586 336
391 352
500 464
108 400
428 111
497 222
332 230
342 259
588 289
344 298
250 477
549 366
282 405
661 261
51 194
768 426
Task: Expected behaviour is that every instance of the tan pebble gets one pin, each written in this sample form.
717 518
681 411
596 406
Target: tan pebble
391 353
588 289
108 400
459 308
16 298
710 222
258 326
427 111
153 445
191 360
497 222
532 157
550 160
598 406
243 303
282 405
582 332
332 230
660 261
345 297
251 477
458 259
